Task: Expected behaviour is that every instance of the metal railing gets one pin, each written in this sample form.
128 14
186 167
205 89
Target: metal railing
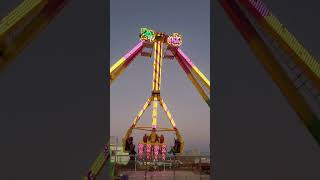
174 167
180 177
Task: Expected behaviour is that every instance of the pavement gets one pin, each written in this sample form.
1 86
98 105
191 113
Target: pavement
164 175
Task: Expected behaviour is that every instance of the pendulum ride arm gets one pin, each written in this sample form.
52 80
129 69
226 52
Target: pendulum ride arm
154 112
272 26
124 62
271 65
22 25
193 68
166 110
188 68
136 119
98 164
156 80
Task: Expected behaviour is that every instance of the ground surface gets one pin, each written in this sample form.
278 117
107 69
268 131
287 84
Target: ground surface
165 175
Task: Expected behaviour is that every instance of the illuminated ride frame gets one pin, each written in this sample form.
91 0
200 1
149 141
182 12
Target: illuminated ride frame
152 145
297 75
259 27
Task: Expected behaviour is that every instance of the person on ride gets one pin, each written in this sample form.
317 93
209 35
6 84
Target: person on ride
154 136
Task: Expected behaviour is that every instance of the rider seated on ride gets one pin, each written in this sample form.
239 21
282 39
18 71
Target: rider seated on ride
153 137
145 138
161 139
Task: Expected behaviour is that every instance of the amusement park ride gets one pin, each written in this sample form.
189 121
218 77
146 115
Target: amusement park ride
298 78
162 46
155 41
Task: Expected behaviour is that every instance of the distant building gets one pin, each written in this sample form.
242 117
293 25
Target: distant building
117 152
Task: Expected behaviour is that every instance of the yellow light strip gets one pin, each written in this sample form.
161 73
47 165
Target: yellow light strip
201 76
157 66
194 81
154 112
160 64
154 67
117 64
165 108
186 60
146 105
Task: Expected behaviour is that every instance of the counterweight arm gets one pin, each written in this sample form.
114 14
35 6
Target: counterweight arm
136 119
188 70
166 110
98 164
272 26
23 24
193 67
271 65
125 61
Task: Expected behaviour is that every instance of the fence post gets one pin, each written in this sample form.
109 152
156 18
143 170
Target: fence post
145 172
174 167
200 168
135 163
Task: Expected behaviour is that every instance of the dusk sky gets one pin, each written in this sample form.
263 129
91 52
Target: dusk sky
54 99
131 90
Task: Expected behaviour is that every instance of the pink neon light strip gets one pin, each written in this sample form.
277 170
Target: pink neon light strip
184 67
156 151
134 50
164 150
148 151
140 151
258 7
185 57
